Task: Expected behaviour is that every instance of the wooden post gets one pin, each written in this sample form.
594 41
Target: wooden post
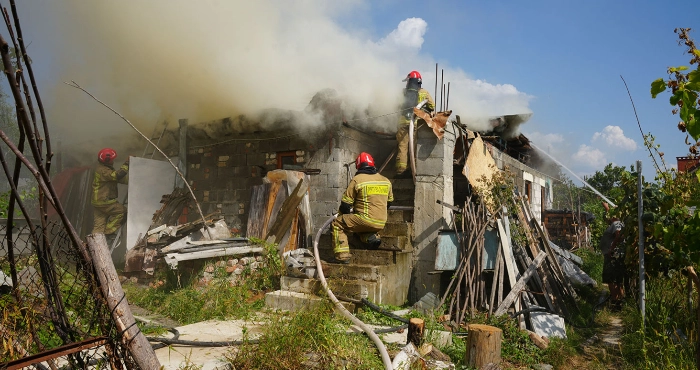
483 346
137 344
415 331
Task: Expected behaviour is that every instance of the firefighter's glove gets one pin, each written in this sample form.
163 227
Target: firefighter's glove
345 208
388 205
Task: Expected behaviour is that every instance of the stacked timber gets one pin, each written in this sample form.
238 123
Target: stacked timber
523 276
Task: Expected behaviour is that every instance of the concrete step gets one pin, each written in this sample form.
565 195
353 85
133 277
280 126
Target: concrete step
390 243
375 257
300 285
398 229
293 301
399 216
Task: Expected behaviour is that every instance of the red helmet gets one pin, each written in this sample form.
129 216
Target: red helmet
107 156
413 74
364 158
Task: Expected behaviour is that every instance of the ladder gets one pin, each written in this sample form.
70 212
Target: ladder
155 139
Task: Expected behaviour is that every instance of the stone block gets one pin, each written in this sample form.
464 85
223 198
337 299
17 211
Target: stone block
430 166
253 159
398 229
238 160
396 243
293 301
299 285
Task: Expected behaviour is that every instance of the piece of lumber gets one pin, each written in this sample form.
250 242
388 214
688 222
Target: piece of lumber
566 254
509 259
284 219
256 215
137 344
483 346
172 259
515 291
537 339
271 198
416 326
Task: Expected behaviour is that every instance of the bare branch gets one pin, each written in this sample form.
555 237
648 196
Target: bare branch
184 180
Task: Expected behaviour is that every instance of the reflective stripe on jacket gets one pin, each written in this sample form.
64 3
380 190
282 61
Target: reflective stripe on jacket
104 184
369 195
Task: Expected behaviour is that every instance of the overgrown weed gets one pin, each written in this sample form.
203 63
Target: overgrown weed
308 339
220 299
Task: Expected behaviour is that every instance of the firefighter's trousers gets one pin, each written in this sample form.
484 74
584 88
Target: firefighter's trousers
402 150
350 223
108 218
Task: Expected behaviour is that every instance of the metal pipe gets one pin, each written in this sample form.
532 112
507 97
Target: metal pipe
447 104
372 335
640 212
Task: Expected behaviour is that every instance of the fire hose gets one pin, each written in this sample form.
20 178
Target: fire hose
372 335
411 150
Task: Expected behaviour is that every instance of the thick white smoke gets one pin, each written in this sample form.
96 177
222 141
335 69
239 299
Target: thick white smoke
210 59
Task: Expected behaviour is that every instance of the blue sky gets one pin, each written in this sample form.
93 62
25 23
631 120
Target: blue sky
562 60
568 55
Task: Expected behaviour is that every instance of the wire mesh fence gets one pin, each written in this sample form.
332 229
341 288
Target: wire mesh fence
53 313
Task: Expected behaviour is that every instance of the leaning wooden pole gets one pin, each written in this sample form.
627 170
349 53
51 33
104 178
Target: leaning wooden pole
139 347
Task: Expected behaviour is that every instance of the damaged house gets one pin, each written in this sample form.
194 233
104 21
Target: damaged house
280 176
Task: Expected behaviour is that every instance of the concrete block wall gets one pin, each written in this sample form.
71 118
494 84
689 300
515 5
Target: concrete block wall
434 181
222 172
336 160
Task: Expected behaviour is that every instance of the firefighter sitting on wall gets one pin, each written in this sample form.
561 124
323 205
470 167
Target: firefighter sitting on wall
413 94
363 208
108 211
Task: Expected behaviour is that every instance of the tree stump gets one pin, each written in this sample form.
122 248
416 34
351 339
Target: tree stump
415 331
483 346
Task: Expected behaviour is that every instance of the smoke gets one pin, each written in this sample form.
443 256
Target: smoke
206 60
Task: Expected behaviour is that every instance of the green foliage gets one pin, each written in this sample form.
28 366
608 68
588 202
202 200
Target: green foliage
668 341
312 338
685 88
24 194
220 299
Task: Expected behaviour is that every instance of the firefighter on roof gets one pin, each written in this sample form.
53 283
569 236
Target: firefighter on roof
413 94
108 211
363 208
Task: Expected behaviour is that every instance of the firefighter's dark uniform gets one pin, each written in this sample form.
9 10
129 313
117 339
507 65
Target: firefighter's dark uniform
369 194
108 211
411 98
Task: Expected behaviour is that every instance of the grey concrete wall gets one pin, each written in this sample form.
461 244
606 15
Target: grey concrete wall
222 172
336 160
434 181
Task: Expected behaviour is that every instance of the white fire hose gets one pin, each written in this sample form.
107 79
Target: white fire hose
411 150
375 338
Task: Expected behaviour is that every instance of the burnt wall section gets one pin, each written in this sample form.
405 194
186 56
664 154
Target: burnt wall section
222 169
222 172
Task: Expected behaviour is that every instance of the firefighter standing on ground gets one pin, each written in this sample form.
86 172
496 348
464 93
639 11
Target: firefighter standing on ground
363 208
413 94
108 211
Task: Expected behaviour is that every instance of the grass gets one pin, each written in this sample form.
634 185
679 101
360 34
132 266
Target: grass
317 338
314 338
220 299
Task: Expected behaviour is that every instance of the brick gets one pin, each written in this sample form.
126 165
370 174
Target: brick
255 159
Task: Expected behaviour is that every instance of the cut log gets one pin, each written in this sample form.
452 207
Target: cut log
415 331
483 346
139 347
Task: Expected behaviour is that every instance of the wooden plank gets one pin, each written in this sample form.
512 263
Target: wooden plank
515 291
495 281
513 273
256 215
293 236
284 219
272 197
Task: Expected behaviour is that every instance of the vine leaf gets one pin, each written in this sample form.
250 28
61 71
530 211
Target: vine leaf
657 87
